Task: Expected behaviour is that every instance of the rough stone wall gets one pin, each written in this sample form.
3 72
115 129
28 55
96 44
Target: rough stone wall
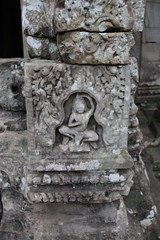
150 59
148 95
56 185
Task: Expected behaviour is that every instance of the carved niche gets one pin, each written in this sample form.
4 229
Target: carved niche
77 116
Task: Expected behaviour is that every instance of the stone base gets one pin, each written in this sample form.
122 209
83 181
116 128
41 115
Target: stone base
64 221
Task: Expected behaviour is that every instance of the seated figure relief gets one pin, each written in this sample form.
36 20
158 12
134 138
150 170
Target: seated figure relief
77 127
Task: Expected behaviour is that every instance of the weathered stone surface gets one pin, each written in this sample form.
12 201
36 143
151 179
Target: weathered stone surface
96 187
71 221
149 87
13 148
11 84
37 18
138 13
150 53
152 14
78 119
134 133
95 16
52 103
95 48
152 35
140 204
42 48
12 121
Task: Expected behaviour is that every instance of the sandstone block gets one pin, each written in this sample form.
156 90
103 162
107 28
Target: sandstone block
138 13
11 84
95 48
37 18
42 48
77 116
93 16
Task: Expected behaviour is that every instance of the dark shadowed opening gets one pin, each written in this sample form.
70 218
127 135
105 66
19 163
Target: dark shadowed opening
10 29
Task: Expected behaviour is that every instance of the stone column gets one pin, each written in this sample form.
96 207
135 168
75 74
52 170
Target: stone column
80 102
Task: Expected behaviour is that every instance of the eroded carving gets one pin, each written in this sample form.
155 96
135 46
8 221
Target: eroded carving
77 109
95 48
96 15
115 185
77 127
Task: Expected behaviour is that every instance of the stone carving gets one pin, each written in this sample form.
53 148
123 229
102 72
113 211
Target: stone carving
77 120
95 48
102 94
95 16
134 133
115 185
69 178
78 123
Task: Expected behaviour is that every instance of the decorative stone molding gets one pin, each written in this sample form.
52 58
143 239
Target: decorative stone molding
95 48
95 16
79 187
51 106
134 133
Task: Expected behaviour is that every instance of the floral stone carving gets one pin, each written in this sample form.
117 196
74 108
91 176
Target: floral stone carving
77 116
94 16
95 48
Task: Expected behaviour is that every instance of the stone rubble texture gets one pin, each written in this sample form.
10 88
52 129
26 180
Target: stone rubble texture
65 169
38 18
42 48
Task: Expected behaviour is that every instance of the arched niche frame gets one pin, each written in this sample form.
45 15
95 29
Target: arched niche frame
100 107
108 86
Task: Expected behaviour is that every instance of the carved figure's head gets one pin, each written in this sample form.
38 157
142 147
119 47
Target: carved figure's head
79 104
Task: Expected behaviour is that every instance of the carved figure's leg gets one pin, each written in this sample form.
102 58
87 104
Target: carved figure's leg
67 132
78 138
90 136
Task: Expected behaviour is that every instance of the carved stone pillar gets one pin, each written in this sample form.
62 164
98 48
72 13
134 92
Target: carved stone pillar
80 111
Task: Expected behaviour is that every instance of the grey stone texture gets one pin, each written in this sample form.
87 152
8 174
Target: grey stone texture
138 13
95 48
95 16
68 175
150 58
42 48
12 82
44 19
92 221
107 86
135 136
37 18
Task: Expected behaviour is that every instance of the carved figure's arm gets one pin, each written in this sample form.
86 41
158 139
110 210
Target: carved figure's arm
71 122
91 103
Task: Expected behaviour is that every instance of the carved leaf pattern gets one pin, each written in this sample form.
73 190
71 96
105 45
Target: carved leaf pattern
48 84
96 15
53 84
